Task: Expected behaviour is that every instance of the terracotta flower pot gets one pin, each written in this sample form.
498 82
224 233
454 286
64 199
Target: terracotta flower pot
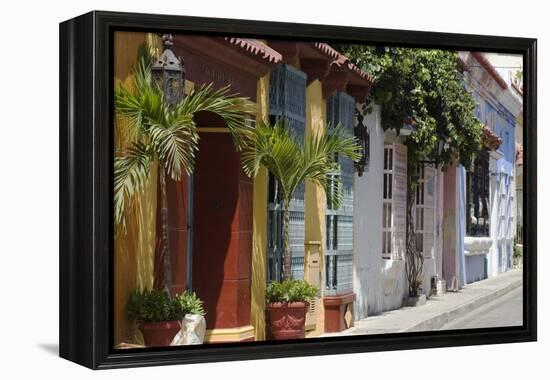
287 320
159 334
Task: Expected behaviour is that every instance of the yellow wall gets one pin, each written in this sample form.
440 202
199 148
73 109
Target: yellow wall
134 246
259 225
315 196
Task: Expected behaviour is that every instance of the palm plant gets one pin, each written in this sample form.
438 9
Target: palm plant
291 163
166 135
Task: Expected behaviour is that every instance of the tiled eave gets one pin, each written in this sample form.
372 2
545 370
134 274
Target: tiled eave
257 48
490 69
322 62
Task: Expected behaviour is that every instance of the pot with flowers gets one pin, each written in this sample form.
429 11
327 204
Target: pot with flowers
287 305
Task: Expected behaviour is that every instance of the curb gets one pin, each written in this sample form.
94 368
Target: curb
440 320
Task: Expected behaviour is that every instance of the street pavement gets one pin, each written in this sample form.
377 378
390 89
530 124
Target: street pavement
491 303
506 310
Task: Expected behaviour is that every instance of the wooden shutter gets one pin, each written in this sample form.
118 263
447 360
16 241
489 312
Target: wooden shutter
399 200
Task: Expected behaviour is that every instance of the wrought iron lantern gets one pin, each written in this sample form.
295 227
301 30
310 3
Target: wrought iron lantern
169 72
362 135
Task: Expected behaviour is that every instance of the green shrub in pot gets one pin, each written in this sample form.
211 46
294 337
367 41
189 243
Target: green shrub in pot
290 291
287 305
159 316
152 306
188 303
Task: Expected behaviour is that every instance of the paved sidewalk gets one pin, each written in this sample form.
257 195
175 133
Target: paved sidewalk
438 311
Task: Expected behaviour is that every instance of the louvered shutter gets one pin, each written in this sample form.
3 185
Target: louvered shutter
399 200
287 100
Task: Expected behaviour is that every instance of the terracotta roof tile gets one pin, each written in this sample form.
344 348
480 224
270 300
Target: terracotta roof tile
256 47
490 69
490 139
340 60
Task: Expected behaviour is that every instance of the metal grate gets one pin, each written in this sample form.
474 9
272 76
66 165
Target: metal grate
339 221
287 100
477 197
338 273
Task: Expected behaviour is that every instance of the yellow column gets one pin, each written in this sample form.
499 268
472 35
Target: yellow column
315 201
134 246
259 225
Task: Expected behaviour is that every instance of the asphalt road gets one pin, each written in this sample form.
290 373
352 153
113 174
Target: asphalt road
504 311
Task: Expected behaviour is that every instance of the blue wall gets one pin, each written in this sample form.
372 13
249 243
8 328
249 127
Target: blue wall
476 268
503 123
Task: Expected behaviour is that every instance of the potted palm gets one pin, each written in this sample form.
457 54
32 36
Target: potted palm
159 316
287 305
292 163
166 135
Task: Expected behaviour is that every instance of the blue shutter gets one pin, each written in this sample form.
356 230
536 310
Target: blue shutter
339 222
287 100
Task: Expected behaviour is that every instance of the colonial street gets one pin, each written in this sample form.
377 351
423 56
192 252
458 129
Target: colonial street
506 310
494 302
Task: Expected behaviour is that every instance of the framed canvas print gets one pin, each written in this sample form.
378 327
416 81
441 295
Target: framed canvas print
237 189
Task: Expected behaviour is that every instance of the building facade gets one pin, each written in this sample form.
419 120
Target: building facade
312 87
491 198
380 280
225 230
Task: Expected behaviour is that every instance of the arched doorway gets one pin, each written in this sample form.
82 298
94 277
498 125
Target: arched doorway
222 228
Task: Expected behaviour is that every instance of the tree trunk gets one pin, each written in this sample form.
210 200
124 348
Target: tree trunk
286 228
165 249
414 259
158 275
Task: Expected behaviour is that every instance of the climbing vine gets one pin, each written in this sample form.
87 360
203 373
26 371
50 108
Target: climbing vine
424 88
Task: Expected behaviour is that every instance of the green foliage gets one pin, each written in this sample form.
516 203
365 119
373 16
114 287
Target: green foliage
424 85
166 134
189 303
290 291
291 163
517 252
152 306
157 306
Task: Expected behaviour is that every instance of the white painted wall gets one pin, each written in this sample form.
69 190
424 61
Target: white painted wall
379 284
367 239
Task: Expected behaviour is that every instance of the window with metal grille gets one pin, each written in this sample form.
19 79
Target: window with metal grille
339 220
394 202
287 100
477 196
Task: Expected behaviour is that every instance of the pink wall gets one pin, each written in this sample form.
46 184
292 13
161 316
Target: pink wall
449 225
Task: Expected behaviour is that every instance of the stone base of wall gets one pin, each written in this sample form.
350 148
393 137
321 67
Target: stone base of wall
236 334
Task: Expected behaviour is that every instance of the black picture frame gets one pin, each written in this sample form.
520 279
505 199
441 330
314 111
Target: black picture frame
86 236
